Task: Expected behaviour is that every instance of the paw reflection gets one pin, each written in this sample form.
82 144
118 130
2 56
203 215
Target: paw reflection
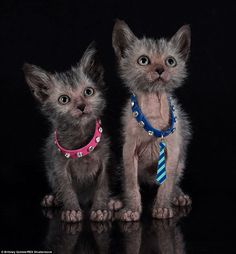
146 236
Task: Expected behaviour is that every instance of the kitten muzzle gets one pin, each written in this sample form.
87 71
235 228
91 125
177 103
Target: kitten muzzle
81 107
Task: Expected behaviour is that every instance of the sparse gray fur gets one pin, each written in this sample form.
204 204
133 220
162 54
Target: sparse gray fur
152 81
74 181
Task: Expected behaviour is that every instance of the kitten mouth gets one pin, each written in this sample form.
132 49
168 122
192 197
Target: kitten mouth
159 81
83 114
80 114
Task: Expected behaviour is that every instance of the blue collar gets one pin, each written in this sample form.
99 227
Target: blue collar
143 122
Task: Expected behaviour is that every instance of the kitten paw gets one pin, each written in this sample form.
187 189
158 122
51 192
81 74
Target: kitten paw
115 204
128 215
48 201
72 228
101 227
130 227
182 200
71 216
100 215
162 213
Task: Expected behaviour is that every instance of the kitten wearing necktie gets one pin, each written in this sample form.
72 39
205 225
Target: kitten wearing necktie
156 130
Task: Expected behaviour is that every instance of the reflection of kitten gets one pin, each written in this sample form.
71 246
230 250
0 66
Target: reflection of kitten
156 236
73 101
152 69
80 237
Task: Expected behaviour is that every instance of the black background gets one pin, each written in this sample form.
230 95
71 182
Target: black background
53 35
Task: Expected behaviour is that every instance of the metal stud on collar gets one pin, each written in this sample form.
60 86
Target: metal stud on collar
150 133
100 130
91 148
67 155
79 154
141 123
135 113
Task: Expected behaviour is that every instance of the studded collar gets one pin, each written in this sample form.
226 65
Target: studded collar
81 152
143 122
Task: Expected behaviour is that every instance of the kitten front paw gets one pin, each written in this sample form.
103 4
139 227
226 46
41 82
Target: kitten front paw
101 227
49 201
72 228
127 214
162 213
71 215
115 204
130 227
182 200
100 215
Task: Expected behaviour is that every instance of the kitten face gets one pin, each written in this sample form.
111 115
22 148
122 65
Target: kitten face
74 96
151 65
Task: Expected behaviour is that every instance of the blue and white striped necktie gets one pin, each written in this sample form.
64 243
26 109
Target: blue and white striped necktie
161 166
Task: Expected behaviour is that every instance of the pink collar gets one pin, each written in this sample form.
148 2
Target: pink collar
78 153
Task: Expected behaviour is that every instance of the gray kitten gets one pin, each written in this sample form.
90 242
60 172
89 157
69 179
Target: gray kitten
73 101
152 69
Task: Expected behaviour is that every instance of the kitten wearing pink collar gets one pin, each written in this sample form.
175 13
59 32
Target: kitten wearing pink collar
77 152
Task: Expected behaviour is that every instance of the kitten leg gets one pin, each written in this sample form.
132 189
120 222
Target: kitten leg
162 207
115 204
132 203
179 197
64 189
100 210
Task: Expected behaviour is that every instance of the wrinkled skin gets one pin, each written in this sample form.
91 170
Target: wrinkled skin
152 69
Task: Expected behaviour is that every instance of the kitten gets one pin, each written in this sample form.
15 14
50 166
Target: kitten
154 236
73 101
152 69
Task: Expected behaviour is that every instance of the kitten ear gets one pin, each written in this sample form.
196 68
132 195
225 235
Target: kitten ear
122 38
182 40
91 65
38 80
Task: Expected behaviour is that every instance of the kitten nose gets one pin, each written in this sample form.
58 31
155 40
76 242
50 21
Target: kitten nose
159 70
81 107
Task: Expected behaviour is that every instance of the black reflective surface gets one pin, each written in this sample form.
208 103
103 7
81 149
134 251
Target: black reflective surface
150 236
54 34
207 227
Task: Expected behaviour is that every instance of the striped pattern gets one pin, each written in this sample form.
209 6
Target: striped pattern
161 167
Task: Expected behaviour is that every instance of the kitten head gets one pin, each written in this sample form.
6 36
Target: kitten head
151 65
71 97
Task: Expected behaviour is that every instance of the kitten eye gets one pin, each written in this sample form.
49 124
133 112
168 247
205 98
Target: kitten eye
89 91
170 61
143 60
64 99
